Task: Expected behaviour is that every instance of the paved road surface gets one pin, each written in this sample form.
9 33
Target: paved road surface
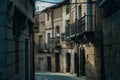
55 76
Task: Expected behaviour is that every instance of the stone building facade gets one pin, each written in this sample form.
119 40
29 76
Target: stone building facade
86 39
42 55
111 22
16 40
76 45
55 23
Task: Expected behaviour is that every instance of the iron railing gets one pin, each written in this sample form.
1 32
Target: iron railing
39 47
80 26
67 31
73 29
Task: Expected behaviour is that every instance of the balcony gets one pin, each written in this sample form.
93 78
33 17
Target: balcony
57 41
81 27
39 47
73 29
67 31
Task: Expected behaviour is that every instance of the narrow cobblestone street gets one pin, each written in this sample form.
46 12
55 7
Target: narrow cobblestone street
56 76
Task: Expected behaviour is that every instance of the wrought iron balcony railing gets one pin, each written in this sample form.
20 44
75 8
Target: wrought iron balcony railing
67 31
80 26
73 29
56 41
39 47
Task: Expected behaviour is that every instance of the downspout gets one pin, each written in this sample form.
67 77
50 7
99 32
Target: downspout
33 56
89 15
52 23
33 45
52 12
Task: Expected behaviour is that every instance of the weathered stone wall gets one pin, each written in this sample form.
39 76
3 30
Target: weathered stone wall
14 42
43 56
3 42
111 28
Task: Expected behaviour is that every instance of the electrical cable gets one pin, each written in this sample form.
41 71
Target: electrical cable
49 2
65 2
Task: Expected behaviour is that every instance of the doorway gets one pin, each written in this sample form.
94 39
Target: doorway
68 62
49 63
41 64
76 64
82 62
57 62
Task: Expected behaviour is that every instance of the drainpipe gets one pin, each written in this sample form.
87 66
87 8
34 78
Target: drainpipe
89 15
76 17
52 23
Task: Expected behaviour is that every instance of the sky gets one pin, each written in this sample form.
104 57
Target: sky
43 5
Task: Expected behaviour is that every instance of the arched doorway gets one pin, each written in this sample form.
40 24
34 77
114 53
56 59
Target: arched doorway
68 62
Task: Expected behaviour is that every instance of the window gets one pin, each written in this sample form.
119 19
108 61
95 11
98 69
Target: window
79 11
63 36
72 16
57 35
67 8
67 23
16 25
48 39
67 28
57 31
48 16
40 42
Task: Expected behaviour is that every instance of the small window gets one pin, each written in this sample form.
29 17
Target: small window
48 39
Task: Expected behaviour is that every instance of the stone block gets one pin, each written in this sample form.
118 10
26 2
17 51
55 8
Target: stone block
2 32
